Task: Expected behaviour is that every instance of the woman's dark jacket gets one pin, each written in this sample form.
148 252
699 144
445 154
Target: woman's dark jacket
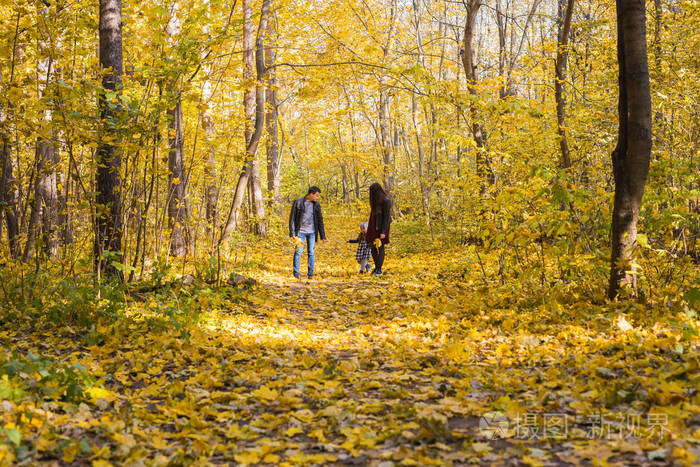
379 223
383 219
296 215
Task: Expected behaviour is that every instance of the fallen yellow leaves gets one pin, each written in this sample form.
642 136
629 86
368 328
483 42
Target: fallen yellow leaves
411 370
266 394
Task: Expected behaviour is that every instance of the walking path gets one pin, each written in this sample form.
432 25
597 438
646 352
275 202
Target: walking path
418 367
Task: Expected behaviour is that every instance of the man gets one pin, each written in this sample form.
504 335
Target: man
306 223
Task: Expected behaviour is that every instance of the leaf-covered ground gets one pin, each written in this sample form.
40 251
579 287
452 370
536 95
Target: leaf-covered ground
423 366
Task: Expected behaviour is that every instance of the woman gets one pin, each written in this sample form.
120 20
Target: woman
379 224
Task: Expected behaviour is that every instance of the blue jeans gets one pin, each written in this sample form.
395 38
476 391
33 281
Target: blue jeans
311 250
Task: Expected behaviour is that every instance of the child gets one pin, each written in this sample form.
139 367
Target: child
364 251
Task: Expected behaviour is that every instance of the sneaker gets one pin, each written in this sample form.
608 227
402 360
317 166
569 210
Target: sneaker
377 272
297 276
309 277
367 268
362 271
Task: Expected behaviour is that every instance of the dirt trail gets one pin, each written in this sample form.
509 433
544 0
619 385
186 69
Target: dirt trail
411 368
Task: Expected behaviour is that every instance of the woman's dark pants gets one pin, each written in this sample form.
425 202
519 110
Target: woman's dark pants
378 257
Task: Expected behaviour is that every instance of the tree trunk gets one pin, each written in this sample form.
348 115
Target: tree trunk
210 175
483 164
9 194
658 19
177 212
385 110
357 183
353 148
564 19
10 197
257 206
256 198
502 26
252 143
425 193
632 154
386 141
211 191
417 127
346 191
64 213
43 217
658 115
108 229
272 147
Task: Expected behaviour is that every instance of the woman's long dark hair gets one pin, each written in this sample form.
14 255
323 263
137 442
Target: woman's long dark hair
377 195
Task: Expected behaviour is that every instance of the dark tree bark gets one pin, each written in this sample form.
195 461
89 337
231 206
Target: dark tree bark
346 191
560 76
211 193
65 223
177 211
108 228
9 194
232 220
10 197
483 164
632 154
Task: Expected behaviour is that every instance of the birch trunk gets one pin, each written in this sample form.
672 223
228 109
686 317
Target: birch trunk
232 220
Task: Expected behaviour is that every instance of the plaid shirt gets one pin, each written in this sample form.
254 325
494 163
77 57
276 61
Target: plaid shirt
364 251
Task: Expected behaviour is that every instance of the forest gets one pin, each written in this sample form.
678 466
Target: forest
527 177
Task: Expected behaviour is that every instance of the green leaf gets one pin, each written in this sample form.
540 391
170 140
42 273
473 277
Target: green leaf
692 296
643 240
13 435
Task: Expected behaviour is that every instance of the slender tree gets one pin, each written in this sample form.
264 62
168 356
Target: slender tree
385 98
659 114
232 220
564 20
108 228
272 146
633 151
483 164
415 117
43 218
177 210
208 124
211 192
9 195
256 204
